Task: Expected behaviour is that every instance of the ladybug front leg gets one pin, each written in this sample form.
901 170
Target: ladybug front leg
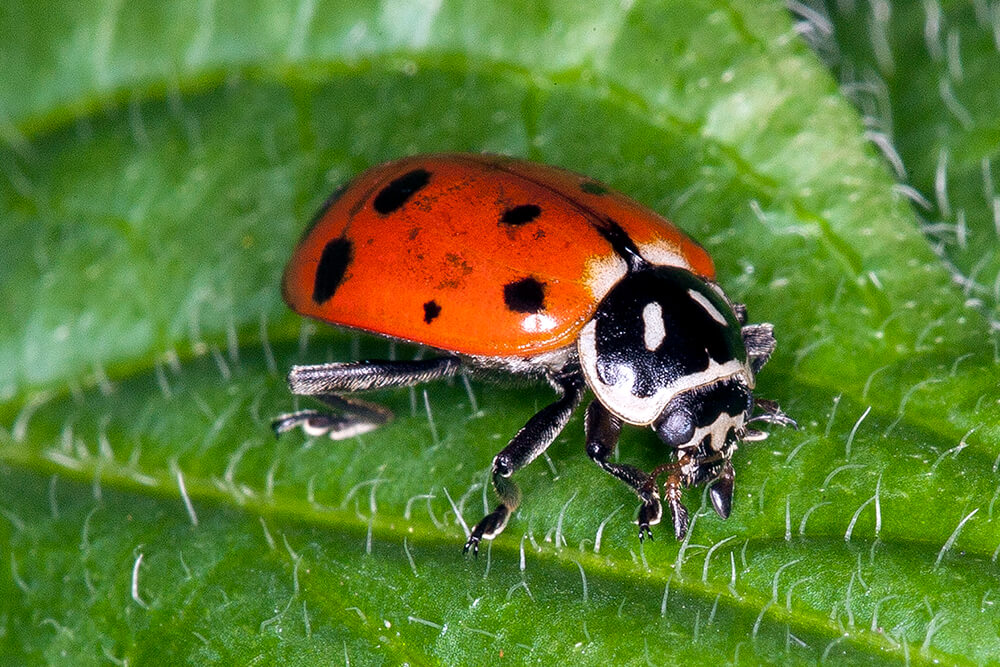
325 382
603 429
533 439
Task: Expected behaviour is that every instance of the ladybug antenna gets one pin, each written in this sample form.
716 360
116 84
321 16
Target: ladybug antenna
622 244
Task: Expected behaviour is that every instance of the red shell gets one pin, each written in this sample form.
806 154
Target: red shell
476 254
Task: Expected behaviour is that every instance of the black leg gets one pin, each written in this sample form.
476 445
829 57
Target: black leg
759 342
348 377
533 439
741 313
771 414
353 416
603 429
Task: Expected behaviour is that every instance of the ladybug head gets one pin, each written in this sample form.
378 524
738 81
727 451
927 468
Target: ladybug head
665 349
711 417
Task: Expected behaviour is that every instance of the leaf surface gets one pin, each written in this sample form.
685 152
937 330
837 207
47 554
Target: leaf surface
160 166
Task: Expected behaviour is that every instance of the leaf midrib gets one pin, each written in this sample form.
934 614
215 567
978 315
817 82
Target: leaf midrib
423 534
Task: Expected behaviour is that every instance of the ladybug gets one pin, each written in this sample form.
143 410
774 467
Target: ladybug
502 264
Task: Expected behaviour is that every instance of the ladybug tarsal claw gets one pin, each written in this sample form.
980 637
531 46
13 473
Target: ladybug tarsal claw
315 423
649 515
473 544
490 526
771 414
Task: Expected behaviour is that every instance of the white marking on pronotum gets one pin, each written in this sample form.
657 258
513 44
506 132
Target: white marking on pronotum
628 407
709 307
653 329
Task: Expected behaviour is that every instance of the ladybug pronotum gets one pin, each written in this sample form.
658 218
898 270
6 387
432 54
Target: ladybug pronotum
498 263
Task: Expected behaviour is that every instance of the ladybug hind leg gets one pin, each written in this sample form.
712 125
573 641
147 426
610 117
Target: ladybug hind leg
352 416
533 439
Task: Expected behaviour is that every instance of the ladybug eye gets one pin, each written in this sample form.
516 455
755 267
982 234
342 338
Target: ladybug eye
677 428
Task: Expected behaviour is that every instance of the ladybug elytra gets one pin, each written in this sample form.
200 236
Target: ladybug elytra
499 263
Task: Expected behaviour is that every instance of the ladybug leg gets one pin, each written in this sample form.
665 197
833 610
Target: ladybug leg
759 342
347 377
353 417
740 310
603 429
678 513
533 439
325 382
771 413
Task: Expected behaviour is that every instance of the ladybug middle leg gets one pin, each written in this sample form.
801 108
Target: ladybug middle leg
533 439
325 382
603 429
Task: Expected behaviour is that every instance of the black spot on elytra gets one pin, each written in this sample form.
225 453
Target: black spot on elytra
524 296
337 256
520 215
431 311
593 188
394 195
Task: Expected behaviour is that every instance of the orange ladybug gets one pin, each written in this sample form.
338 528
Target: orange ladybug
500 263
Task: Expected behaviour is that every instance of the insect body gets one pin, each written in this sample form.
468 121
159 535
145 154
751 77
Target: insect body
504 264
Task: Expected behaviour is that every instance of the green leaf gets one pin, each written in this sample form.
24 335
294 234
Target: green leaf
925 75
161 159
